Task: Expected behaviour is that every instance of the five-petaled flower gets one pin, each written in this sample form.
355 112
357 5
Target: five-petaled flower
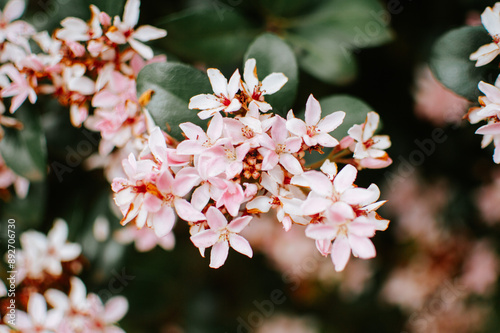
221 236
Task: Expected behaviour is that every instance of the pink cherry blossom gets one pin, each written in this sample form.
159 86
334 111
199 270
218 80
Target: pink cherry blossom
280 148
197 140
221 236
347 231
314 131
224 97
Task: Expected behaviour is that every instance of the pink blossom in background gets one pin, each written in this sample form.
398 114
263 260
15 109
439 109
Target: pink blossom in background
435 103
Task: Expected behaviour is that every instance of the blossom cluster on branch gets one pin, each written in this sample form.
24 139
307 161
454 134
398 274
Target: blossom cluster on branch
251 161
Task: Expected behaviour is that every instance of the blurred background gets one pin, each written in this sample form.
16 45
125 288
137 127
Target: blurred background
437 264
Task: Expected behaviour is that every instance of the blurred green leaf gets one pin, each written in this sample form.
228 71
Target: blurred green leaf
111 7
208 35
47 15
287 8
326 38
273 55
173 85
355 113
25 151
28 212
451 65
326 61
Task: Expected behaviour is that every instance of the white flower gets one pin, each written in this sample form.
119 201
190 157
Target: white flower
491 21
123 31
255 89
224 97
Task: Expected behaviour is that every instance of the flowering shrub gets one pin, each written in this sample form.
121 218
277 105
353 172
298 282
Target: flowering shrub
243 129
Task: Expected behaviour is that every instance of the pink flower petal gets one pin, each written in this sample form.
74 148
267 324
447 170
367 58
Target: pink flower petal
313 111
290 163
215 128
186 211
13 10
240 245
147 32
115 309
145 51
163 221
37 308
319 183
331 122
272 83
279 132
215 218
205 238
341 251
326 140
490 21
219 254
490 129
218 82
261 204
238 224
131 13
345 178
362 247
321 231
296 126
234 84
185 180
250 75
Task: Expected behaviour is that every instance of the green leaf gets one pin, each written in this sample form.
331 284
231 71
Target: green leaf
216 37
451 65
355 113
173 85
25 151
273 55
111 7
328 62
326 38
286 8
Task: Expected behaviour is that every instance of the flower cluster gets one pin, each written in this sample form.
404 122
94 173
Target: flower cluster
251 161
90 67
44 266
489 109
